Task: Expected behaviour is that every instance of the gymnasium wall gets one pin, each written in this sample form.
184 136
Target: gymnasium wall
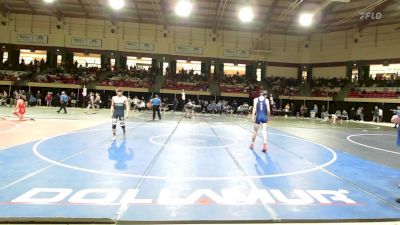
381 42
278 71
373 43
329 72
228 44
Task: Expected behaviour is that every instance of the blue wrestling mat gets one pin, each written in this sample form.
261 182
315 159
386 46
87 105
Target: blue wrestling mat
174 171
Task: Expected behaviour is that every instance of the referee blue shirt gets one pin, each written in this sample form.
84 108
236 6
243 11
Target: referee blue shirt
64 98
156 101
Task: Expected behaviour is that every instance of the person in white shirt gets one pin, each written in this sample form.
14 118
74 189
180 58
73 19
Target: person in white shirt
380 115
119 112
183 100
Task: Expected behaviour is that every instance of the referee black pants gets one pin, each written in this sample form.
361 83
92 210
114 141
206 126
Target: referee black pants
63 106
156 108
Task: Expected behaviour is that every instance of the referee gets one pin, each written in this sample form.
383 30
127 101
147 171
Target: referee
156 102
63 100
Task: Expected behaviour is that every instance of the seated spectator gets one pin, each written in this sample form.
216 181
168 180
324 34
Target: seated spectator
283 86
327 87
187 80
132 77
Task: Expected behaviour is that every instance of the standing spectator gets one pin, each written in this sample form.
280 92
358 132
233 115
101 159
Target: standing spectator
234 106
375 115
315 109
3 98
135 102
362 113
49 99
28 98
183 100
352 113
175 104
38 98
271 102
63 101
73 99
32 100
380 115
57 97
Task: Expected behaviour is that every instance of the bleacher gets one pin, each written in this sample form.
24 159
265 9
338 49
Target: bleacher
172 85
375 92
187 80
74 76
135 78
11 75
284 86
327 87
325 92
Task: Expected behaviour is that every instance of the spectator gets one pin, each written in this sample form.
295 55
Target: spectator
175 104
375 115
38 98
3 98
135 103
49 99
353 113
32 100
73 99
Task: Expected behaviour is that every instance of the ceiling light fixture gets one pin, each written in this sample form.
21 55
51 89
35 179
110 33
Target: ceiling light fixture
183 8
246 14
306 19
116 4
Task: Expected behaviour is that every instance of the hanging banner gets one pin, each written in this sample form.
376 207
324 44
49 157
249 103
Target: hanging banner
236 53
145 46
78 41
94 42
86 42
188 50
32 38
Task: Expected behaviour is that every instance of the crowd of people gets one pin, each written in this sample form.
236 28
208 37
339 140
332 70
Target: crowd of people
239 84
12 75
283 86
375 89
36 98
34 66
74 75
131 77
188 80
327 87
353 113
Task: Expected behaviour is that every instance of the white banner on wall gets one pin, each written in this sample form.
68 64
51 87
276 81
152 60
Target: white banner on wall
32 38
188 50
145 46
86 42
237 53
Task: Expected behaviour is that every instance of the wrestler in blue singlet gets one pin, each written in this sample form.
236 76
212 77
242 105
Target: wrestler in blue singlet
261 114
